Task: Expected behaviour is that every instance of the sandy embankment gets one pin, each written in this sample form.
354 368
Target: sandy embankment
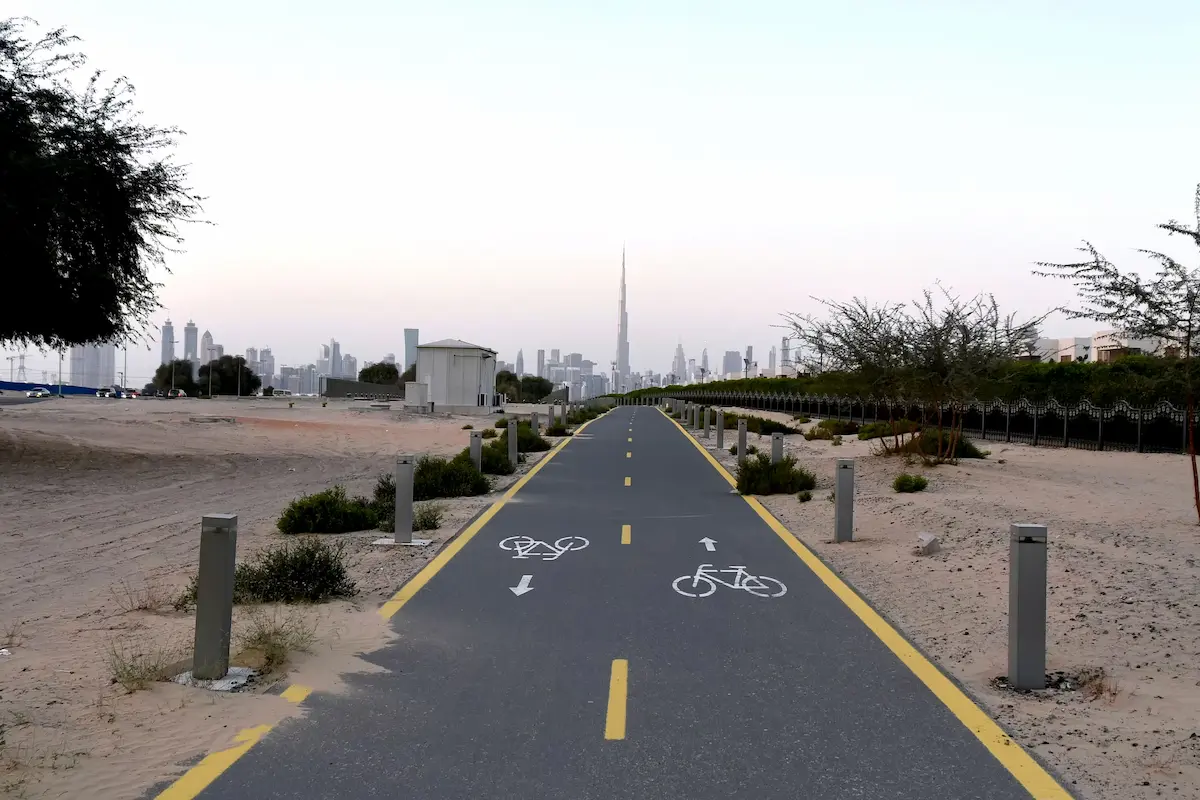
100 505
1123 554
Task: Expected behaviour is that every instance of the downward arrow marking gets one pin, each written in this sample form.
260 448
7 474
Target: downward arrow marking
522 586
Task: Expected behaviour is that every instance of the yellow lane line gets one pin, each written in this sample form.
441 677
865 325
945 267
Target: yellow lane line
618 690
626 533
629 481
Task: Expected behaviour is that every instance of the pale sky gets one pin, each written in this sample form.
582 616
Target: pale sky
472 168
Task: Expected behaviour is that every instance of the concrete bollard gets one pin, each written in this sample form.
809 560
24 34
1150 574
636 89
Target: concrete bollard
695 416
776 448
214 596
512 442
405 465
533 422
720 429
1027 606
707 419
564 412
843 512
741 453
477 449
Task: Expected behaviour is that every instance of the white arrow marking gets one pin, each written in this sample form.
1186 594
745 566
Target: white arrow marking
709 544
522 586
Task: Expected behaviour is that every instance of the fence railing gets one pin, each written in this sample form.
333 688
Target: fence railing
1159 429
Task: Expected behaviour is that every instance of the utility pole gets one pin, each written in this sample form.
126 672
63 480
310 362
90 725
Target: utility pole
125 374
237 363
211 350
11 360
60 359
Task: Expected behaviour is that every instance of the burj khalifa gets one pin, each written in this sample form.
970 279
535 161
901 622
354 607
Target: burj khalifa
621 377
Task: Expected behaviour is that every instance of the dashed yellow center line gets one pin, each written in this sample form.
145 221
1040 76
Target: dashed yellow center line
630 439
626 533
628 455
618 691
629 481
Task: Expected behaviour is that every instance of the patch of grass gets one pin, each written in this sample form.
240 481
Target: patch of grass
759 476
836 441
468 427
493 458
501 423
527 440
759 425
839 427
1095 684
135 667
800 419
907 483
804 496
817 432
583 414
12 635
273 637
328 511
878 430
437 477
307 569
750 449
428 516
140 597
558 429
489 433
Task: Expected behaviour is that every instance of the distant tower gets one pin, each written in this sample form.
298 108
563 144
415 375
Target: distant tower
191 336
208 351
541 373
520 363
168 344
704 361
411 337
771 361
335 359
623 378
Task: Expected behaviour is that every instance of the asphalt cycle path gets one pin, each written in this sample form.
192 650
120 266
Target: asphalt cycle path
625 626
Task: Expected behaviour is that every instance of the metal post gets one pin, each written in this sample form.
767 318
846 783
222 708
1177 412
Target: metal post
776 448
214 596
404 499
720 429
512 442
564 412
695 418
707 420
550 416
533 422
477 449
1027 606
843 512
741 453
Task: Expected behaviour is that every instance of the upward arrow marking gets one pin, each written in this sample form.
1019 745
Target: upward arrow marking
709 544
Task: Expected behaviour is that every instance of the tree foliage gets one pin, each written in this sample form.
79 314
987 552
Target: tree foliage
527 389
225 377
176 375
409 375
381 373
89 197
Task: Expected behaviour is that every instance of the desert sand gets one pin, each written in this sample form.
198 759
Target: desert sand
1123 551
100 507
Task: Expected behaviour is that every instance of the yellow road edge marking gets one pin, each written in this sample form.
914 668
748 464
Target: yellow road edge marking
198 778
1040 784
629 481
618 691
626 533
296 693
389 609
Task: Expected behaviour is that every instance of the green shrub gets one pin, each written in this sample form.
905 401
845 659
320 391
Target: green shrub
750 449
493 458
909 483
582 415
329 511
817 432
305 570
527 440
468 427
557 429
804 496
839 427
428 516
501 423
758 425
759 476
436 477
836 441
927 444
800 419
878 430
489 433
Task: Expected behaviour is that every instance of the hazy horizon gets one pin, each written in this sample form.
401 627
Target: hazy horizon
473 171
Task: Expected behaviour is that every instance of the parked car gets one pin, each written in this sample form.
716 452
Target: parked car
160 393
107 393
40 391
175 393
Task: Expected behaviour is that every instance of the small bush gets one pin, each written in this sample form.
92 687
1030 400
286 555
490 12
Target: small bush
527 440
489 433
817 432
800 419
136 667
468 427
909 483
428 516
750 449
839 427
759 425
501 423
927 444
329 511
878 430
557 429
436 477
493 458
759 476
804 496
304 570
836 441
582 415
274 638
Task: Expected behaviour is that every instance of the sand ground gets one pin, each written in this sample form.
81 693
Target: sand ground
100 505
1123 551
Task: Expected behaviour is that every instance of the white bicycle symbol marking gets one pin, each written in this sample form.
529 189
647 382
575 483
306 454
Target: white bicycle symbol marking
705 581
528 547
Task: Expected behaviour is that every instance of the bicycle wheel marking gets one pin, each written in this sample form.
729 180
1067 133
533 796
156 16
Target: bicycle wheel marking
707 577
527 547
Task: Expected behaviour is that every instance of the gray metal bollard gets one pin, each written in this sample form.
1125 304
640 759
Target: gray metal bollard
843 512
405 464
741 453
533 422
776 448
707 419
477 449
512 442
1027 606
720 429
695 417
214 596
564 412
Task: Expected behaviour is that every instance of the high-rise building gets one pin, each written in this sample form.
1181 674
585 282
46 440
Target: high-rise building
190 341
771 362
411 337
168 344
349 367
335 359
389 358
691 370
678 365
520 363
785 361
323 360
541 363
266 366
703 363
748 365
94 366
731 364
218 352
622 368
554 356
207 349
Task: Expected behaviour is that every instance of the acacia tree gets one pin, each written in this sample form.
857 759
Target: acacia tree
89 196
935 351
1164 309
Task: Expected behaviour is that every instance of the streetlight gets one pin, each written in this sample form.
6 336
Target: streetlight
211 350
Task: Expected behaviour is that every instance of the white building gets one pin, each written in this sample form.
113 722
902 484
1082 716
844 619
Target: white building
455 376
1110 345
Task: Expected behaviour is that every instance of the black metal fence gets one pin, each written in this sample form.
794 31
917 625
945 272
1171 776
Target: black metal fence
1161 429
